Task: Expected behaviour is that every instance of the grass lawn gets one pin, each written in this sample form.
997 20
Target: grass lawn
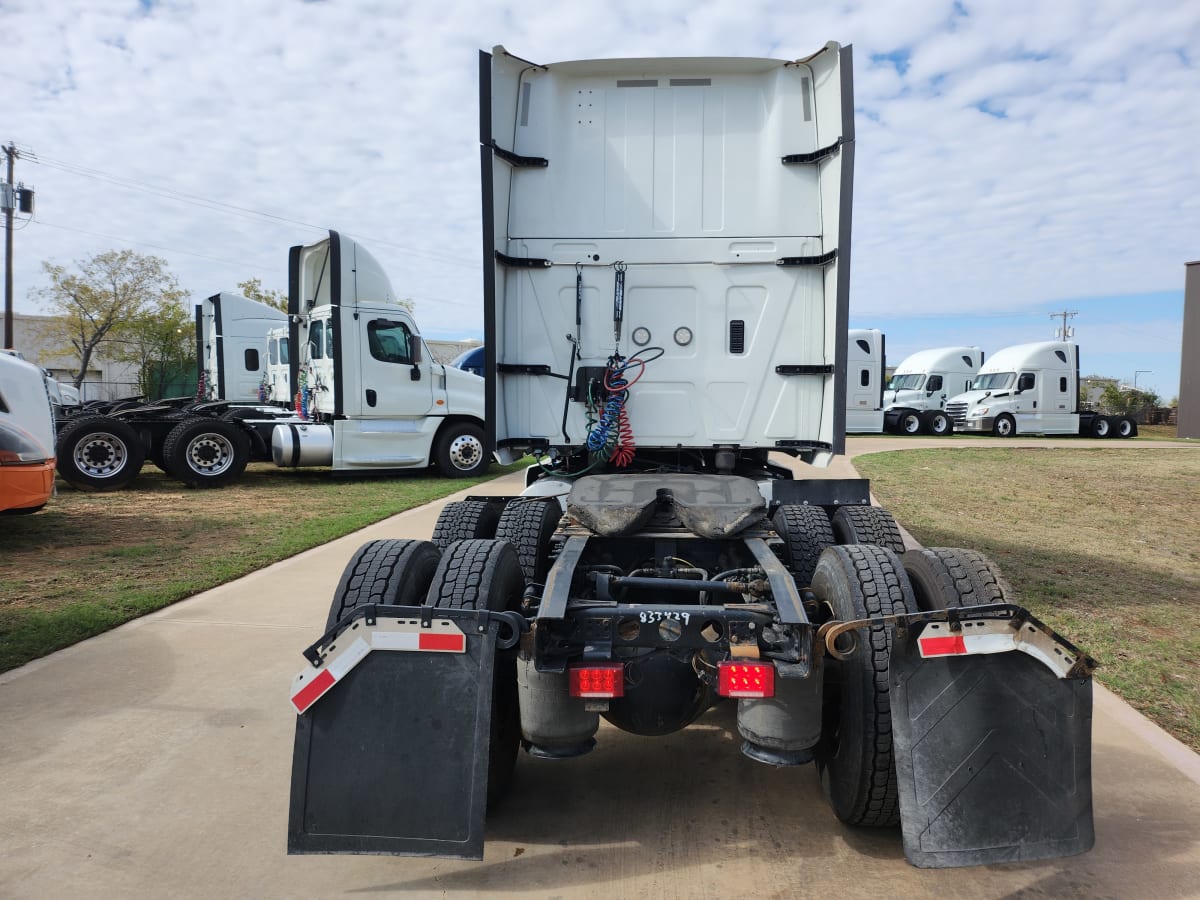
1104 544
89 562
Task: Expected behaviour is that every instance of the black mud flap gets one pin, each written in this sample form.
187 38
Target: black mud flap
993 757
393 759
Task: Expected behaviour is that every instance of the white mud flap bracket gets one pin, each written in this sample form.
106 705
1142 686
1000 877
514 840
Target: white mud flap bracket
992 731
391 750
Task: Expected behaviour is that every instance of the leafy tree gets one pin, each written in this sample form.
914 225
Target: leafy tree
161 342
108 292
252 289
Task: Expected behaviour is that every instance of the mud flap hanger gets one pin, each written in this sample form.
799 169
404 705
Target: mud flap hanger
970 631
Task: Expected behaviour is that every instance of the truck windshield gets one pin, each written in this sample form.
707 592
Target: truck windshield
906 382
994 381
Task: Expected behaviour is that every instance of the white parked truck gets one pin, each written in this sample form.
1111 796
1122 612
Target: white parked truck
866 360
915 398
370 398
1032 389
277 379
666 249
231 339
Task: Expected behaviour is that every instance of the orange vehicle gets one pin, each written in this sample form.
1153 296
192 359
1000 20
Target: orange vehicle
26 437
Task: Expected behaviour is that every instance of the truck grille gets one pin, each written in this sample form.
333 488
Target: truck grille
957 413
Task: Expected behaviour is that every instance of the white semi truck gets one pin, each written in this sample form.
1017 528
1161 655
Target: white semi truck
866 359
666 250
915 399
1032 389
231 344
370 398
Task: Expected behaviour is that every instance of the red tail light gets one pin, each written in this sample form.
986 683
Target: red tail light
598 680
742 679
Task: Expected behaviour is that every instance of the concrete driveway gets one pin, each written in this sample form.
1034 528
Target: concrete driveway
153 761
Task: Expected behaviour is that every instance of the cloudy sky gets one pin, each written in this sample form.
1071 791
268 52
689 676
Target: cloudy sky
1015 158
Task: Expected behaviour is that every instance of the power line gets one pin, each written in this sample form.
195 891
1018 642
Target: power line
114 237
219 206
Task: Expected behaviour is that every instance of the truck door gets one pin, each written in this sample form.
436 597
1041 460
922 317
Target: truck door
1029 415
935 392
395 377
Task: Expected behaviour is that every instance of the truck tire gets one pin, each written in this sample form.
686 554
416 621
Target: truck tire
806 532
936 423
948 578
206 453
462 520
1005 426
459 451
528 523
867 525
855 761
385 572
480 574
910 422
1101 427
99 453
1125 427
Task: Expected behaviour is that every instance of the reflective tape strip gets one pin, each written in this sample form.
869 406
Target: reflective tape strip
308 688
983 636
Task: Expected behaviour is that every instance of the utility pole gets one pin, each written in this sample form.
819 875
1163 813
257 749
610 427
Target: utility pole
1064 333
9 202
13 198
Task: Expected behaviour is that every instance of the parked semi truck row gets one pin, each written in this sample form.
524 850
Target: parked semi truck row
913 399
653 347
368 396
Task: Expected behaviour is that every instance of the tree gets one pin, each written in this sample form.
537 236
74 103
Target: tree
252 289
109 292
161 342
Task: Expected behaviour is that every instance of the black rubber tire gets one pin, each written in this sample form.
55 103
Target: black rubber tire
948 578
936 422
482 574
154 449
909 423
99 453
385 572
806 532
206 453
460 451
461 520
867 525
1101 427
528 523
1124 427
855 762
1005 426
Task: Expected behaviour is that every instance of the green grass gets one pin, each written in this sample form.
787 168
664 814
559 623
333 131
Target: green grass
1101 543
90 562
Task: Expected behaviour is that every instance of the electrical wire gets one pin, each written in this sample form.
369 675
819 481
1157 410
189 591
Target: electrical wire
220 206
114 237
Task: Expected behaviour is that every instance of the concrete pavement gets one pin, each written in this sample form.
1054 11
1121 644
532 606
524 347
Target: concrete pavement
153 761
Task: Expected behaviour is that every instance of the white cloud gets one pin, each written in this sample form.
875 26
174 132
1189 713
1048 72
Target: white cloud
363 118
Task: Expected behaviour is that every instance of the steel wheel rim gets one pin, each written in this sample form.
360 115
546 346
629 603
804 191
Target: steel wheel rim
114 451
465 452
210 454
